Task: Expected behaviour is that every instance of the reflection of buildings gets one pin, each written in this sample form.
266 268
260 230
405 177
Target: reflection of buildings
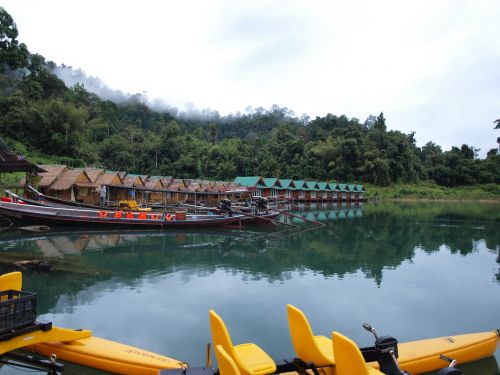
56 246
326 212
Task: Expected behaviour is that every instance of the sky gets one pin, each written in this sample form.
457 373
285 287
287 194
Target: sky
432 67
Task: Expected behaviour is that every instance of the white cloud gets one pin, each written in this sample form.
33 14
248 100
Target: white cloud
432 67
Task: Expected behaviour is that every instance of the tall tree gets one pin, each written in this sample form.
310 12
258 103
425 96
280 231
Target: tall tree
12 54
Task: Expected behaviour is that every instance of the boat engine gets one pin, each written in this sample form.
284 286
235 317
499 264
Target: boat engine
385 352
224 207
261 205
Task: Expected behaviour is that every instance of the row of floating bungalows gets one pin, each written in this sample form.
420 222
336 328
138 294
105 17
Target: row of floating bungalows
83 184
300 190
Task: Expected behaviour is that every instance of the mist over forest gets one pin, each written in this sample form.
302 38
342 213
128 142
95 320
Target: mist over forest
57 114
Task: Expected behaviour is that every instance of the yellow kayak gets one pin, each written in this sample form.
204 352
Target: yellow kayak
416 357
107 355
81 347
35 337
422 356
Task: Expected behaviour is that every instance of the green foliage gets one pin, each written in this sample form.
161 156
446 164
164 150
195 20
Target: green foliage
432 191
12 54
44 119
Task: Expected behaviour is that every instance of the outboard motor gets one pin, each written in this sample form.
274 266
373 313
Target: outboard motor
261 205
385 352
225 207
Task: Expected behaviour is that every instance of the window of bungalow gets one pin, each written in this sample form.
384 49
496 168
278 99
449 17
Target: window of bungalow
288 193
324 195
273 192
302 194
313 194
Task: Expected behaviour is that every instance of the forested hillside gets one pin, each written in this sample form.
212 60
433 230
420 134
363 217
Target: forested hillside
43 119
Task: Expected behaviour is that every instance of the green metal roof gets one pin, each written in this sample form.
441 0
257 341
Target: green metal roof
333 186
289 184
252 181
299 184
286 184
271 182
323 186
311 185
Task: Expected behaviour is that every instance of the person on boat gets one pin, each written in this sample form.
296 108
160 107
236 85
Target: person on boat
102 195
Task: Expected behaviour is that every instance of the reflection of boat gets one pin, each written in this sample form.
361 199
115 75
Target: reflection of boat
261 218
62 241
23 213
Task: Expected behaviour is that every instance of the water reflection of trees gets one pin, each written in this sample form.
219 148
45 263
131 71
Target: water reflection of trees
367 241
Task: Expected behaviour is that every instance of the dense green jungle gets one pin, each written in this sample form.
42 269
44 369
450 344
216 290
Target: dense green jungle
47 122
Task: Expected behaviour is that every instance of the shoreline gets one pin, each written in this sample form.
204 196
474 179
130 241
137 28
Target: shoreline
441 200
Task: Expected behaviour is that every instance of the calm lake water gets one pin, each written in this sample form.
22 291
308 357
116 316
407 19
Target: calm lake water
413 270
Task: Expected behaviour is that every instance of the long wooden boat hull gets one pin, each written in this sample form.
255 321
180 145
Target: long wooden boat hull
46 200
24 213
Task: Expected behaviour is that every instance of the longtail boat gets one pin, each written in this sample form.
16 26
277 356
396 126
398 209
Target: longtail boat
46 201
26 213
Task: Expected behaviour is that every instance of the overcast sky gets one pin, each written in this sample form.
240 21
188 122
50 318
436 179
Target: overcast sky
432 67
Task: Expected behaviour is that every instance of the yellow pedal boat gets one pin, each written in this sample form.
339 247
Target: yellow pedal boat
81 347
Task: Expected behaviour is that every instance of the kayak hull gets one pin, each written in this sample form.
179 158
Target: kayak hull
107 355
422 356
38 336
416 357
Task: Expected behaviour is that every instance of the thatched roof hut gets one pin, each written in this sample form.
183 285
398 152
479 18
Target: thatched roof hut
71 178
122 174
133 180
109 178
51 174
232 187
166 181
94 173
154 182
204 186
193 188
218 186
177 184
